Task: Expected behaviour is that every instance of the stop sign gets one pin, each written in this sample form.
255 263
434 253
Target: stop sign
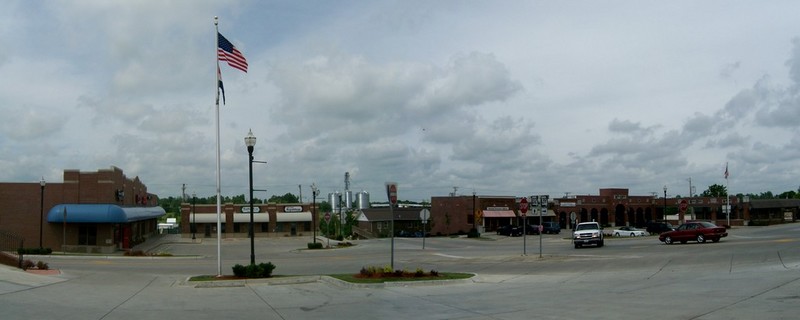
327 217
523 205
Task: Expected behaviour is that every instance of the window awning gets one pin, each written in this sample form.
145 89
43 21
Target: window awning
499 214
101 213
245 217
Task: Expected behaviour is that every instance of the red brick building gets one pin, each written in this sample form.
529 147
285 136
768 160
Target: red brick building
615 207
459 214
97 212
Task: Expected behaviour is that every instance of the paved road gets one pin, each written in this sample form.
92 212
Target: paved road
754 273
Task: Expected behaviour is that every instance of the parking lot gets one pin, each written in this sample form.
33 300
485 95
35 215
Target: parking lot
753 273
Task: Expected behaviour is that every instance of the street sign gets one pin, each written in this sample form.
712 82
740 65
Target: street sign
424 215
523 206
327 217
391 192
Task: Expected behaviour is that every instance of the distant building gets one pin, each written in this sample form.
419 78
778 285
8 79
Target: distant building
269 220
95 212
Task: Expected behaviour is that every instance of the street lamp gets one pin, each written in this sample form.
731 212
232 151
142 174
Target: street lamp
314 192
194 226
665 202
41 211
250 141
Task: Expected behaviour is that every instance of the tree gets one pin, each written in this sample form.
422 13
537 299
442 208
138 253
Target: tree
715 190
286 198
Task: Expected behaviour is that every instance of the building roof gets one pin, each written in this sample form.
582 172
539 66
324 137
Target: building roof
101 213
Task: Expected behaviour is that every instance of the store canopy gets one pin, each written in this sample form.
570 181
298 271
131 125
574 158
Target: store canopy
498 214
101 213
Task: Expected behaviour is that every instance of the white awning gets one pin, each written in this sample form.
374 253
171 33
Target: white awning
205 218
293 216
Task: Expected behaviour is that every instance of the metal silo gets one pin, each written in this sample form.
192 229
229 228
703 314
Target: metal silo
362 200
348 199
333 199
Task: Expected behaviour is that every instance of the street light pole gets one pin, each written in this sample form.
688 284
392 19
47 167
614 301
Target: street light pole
194 225
665 203
41 211
250 142
314 191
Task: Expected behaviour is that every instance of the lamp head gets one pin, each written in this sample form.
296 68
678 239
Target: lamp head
250 139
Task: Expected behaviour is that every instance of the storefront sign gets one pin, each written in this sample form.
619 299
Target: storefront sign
293 209
246 209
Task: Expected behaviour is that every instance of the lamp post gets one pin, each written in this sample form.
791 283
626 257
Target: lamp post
194 226
250 141
314 191
41 211
665 202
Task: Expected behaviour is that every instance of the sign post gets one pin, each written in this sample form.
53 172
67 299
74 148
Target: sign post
391 194
523 209
328 223
423 215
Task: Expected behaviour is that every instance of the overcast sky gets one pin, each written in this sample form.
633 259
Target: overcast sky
510 98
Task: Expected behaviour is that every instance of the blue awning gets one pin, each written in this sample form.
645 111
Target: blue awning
101 213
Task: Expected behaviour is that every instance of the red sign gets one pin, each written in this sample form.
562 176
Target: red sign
523 205
391 192
327 217
684 205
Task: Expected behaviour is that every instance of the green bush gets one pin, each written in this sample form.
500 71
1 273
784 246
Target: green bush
261 270
239 270
315 245
41 265
39 251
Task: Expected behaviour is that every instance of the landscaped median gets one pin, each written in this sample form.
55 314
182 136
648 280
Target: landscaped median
346 280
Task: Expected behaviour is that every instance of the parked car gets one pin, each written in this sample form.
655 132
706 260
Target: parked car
551 227
628 232
659 227
531 229
509 230
696 230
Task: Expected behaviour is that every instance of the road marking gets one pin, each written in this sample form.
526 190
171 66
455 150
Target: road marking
448 256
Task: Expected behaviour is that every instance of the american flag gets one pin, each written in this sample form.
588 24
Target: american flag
227 52
726 171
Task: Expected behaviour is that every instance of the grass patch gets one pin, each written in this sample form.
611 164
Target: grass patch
352 278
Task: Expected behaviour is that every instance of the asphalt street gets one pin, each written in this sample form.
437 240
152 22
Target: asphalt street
753 273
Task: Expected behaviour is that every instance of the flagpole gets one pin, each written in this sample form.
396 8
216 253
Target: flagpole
727 194
219 197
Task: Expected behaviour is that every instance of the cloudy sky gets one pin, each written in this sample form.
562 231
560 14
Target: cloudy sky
493 97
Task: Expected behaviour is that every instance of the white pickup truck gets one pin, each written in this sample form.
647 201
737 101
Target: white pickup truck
587 233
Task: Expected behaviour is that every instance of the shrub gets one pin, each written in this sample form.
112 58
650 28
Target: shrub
315 245
38 251
398 273
27 264
434 273
473 233
387 269
419 273
367 271
41 265
239 270
267 269
253 271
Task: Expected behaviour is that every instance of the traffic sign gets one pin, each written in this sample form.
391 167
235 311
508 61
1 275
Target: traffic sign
424 215
391 192
327 217
523 206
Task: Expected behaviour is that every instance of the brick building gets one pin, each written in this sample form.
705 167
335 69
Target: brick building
97 212
615 207
459 214
269 220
